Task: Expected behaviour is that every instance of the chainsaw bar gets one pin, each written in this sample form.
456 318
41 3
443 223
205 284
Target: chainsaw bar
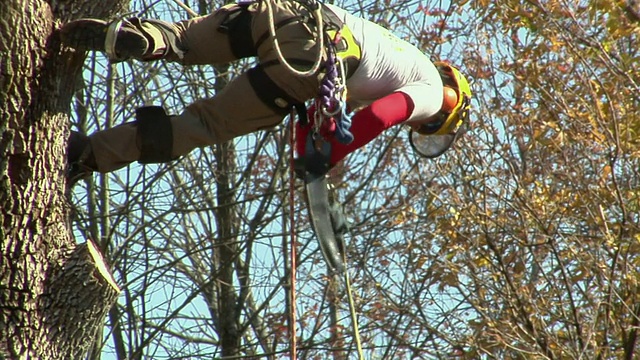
317 189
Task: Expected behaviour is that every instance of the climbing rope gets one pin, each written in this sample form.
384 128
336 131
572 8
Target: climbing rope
293 252
331 103
186 8
354 316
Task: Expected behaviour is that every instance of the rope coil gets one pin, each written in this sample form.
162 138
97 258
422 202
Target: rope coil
276 45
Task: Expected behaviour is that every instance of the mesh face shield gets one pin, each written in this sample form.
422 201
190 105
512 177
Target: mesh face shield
432 146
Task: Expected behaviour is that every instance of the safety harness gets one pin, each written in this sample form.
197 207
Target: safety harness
343 55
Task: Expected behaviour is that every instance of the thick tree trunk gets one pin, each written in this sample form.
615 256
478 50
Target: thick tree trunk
53 293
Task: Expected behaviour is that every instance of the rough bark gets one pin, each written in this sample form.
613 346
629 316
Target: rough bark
53 294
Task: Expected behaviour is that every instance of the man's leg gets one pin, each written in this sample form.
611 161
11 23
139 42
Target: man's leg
252 101
218 38
147 139
156 138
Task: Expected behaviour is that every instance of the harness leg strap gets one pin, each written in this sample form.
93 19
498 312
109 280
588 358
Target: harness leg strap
270 93
237 26
155 135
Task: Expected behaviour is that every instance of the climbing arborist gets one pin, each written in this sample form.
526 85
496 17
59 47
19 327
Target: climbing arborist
384 80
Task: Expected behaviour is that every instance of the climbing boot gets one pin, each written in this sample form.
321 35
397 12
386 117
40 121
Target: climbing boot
120 39
81 162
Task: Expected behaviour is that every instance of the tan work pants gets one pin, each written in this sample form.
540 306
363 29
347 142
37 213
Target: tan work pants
236 110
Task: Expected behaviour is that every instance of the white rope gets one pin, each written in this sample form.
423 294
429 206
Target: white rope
186 8
276 45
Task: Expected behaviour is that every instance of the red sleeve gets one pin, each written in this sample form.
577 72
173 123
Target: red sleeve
366 124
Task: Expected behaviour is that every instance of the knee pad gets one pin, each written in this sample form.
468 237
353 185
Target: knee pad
155 135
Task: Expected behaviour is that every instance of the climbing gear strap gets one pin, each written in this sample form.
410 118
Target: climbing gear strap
110 40
341 38
237 26
270 93
315 9
342 59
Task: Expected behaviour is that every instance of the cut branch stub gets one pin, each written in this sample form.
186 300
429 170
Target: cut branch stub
78 296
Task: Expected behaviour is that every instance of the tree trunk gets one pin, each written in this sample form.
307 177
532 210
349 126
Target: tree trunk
54 294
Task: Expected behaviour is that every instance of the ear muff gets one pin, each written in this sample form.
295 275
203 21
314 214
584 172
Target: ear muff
453 79
450 99
434 138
